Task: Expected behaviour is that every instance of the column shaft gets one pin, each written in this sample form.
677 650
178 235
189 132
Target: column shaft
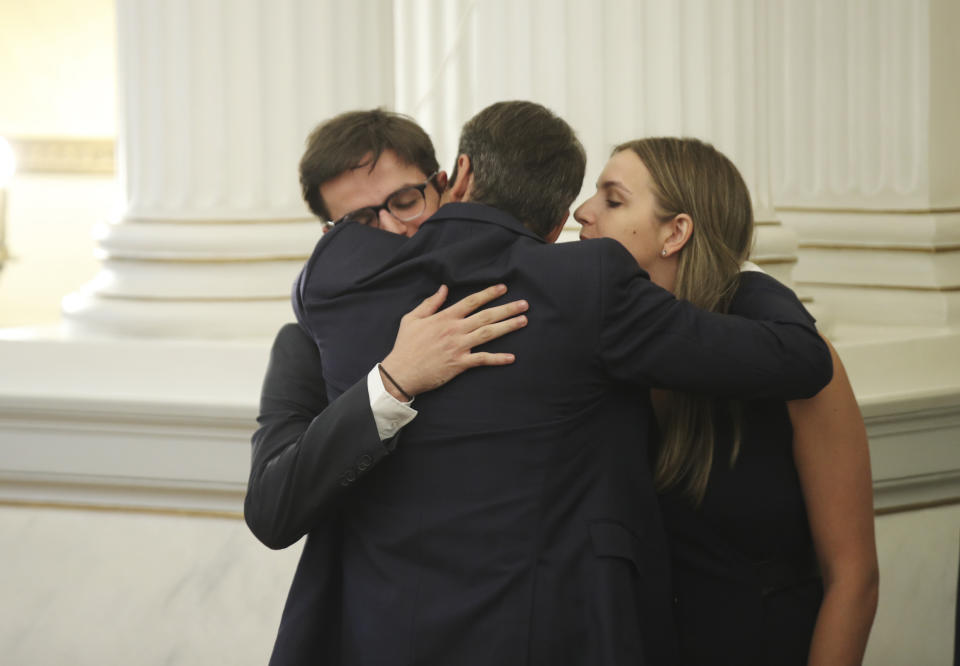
217 98
615 70
865 157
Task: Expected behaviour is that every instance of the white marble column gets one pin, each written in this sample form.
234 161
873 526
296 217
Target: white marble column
865 158
616 70
216 100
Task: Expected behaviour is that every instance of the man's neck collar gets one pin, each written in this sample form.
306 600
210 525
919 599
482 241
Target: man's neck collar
478 212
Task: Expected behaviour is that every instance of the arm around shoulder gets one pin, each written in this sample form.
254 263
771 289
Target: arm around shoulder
650 337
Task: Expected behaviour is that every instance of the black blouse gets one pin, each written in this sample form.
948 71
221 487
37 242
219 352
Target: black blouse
744 571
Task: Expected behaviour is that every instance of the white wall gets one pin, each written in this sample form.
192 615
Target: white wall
57 68
58 79
919 554
50 221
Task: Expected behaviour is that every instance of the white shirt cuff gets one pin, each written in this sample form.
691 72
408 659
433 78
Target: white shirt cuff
389 413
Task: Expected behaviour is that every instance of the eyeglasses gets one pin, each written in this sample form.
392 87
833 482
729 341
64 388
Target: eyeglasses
406 204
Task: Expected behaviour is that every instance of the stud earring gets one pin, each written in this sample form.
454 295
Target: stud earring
663 252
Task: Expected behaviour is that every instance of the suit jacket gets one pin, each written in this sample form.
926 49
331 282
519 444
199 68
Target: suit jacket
300 433
516 523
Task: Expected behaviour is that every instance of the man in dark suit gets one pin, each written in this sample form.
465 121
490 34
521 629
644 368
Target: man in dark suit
391 159
515 522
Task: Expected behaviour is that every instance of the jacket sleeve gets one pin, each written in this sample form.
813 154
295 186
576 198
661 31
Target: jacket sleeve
651 338
306 452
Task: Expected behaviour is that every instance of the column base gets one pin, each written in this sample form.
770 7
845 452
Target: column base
86 314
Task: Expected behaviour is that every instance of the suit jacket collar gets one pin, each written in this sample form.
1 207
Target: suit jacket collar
476 212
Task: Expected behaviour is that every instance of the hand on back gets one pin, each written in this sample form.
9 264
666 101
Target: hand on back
433 346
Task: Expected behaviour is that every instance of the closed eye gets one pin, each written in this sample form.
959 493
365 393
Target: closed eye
406 199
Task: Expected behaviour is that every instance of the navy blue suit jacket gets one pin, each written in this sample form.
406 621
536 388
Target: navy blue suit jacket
516 521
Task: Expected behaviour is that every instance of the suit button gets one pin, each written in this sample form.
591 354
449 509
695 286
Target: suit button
364 462
350 476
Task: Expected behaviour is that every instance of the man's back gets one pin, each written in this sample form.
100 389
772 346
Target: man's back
516 522
509 525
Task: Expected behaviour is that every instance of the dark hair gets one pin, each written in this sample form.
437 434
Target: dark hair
346 141
526 161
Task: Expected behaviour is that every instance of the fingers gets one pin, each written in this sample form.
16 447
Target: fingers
493 331
430 304
465 306
486 358
495 314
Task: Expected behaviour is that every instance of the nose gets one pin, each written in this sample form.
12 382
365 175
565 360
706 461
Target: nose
582 214
389 223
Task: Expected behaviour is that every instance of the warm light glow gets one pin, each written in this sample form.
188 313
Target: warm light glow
8 162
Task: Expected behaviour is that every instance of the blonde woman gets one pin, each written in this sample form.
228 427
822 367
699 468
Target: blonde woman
768 506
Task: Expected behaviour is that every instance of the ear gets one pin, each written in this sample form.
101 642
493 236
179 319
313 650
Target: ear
460 188
440 181
680 231
555 232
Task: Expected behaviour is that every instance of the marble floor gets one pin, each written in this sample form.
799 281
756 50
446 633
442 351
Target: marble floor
92 588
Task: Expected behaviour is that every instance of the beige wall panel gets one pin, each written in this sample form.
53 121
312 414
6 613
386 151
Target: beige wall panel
57 68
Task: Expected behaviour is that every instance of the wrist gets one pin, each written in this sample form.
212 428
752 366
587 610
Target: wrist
394 385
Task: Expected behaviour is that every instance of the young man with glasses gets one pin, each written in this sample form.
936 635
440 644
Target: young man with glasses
404 206
377 169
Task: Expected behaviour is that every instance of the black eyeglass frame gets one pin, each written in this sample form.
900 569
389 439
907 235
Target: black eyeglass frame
420 187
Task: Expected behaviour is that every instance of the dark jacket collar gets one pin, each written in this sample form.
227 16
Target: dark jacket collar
476 212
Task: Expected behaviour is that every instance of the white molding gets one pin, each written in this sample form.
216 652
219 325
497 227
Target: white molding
166 240
128 423
184 279
122 453
915 453
913 493
165 425
909 393
902 268
775 250
907 230
88 315
73 155
119 494
901 310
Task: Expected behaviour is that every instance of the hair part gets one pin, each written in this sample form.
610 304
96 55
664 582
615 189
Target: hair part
357 139
691 176
526 161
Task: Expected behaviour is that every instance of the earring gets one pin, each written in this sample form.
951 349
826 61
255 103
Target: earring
663 252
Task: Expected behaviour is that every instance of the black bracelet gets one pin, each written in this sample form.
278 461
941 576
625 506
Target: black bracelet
394 382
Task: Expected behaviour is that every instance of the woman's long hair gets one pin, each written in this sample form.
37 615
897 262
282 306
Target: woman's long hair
693 177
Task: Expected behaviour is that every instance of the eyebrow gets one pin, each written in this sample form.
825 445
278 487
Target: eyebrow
614 184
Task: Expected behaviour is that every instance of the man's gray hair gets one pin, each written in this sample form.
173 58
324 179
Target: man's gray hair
526 161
